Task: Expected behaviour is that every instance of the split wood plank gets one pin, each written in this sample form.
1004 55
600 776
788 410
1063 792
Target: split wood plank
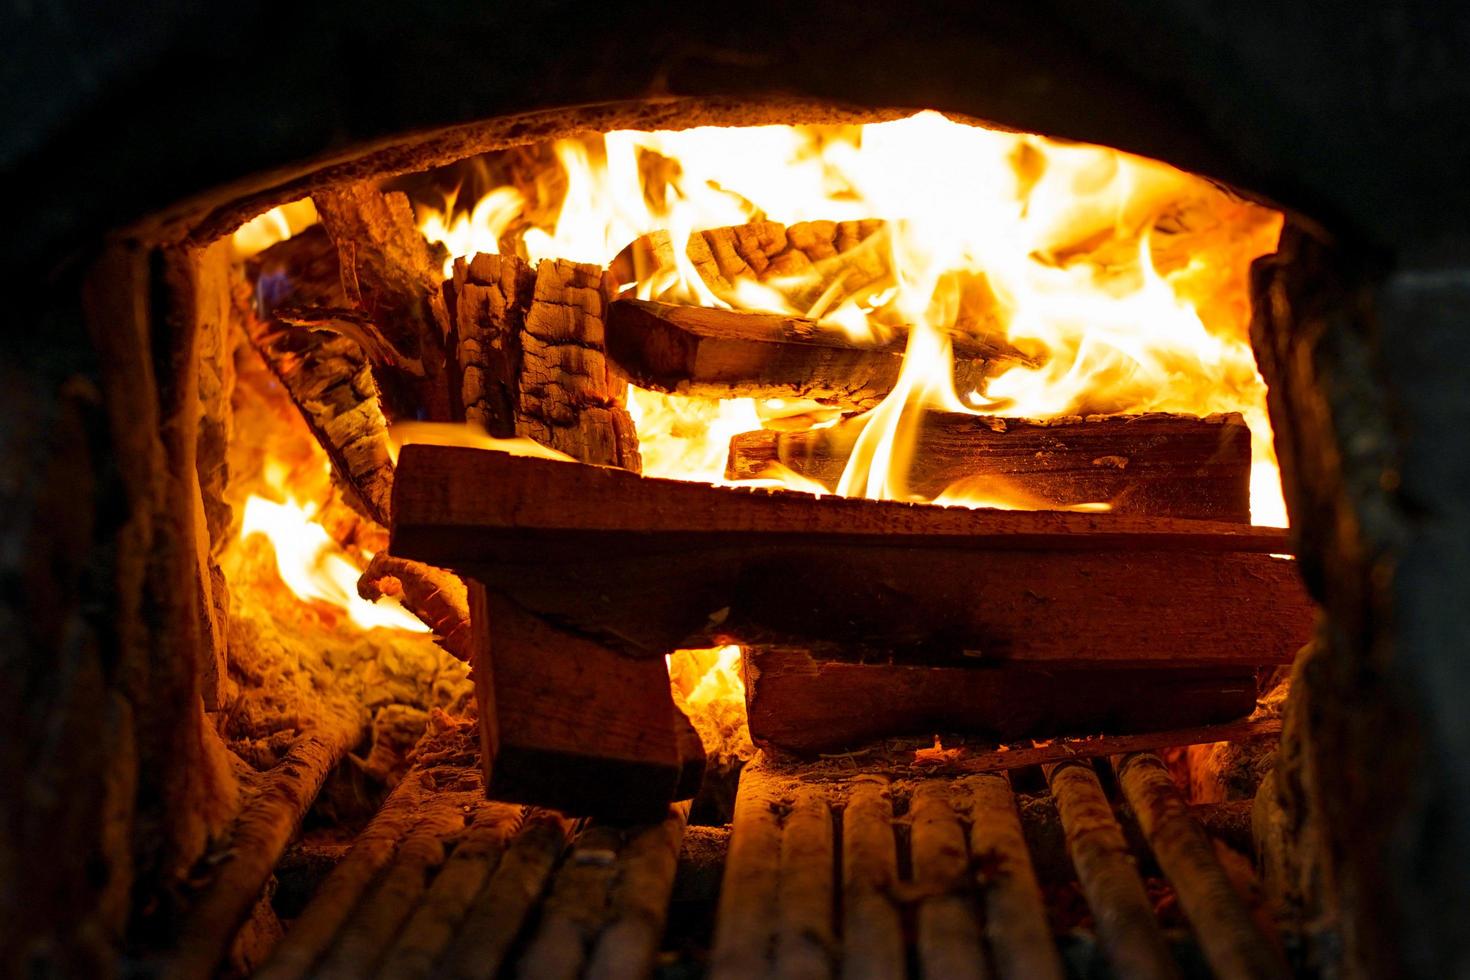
1227 933
569 724
654 565
1156 464
797 703
1126 924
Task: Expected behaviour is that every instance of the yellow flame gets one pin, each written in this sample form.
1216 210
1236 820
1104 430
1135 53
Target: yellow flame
315 568
275 225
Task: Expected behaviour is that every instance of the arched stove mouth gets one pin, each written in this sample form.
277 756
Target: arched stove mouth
996 624
1339 377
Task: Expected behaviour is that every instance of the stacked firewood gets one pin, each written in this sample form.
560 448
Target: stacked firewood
860 618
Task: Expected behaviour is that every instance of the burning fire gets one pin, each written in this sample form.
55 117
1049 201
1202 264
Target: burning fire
315 567
1130 275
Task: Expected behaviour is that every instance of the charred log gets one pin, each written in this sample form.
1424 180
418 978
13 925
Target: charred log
1157 464
531 357
392 275
696 350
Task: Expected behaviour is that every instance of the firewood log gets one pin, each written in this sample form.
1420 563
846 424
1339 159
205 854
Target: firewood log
696 350
803 705
1230 939
330 381
805 260
531 356
1157 464
395 278
656 565
294 323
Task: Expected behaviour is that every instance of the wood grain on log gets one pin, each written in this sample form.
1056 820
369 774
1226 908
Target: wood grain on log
1156 464
947 929
799 704
656 565
567 723
696 350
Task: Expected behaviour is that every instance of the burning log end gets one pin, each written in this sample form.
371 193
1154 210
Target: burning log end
437 597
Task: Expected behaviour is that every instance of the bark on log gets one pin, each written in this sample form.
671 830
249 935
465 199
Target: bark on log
799 704
1156 464
317 927
1230 939
873 947
259 837
567 723
948 931
1126 924
1016 929
576 910
805 941
503 906
438 598
695 350
639 902
656 565
747 917
390 272
434 923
